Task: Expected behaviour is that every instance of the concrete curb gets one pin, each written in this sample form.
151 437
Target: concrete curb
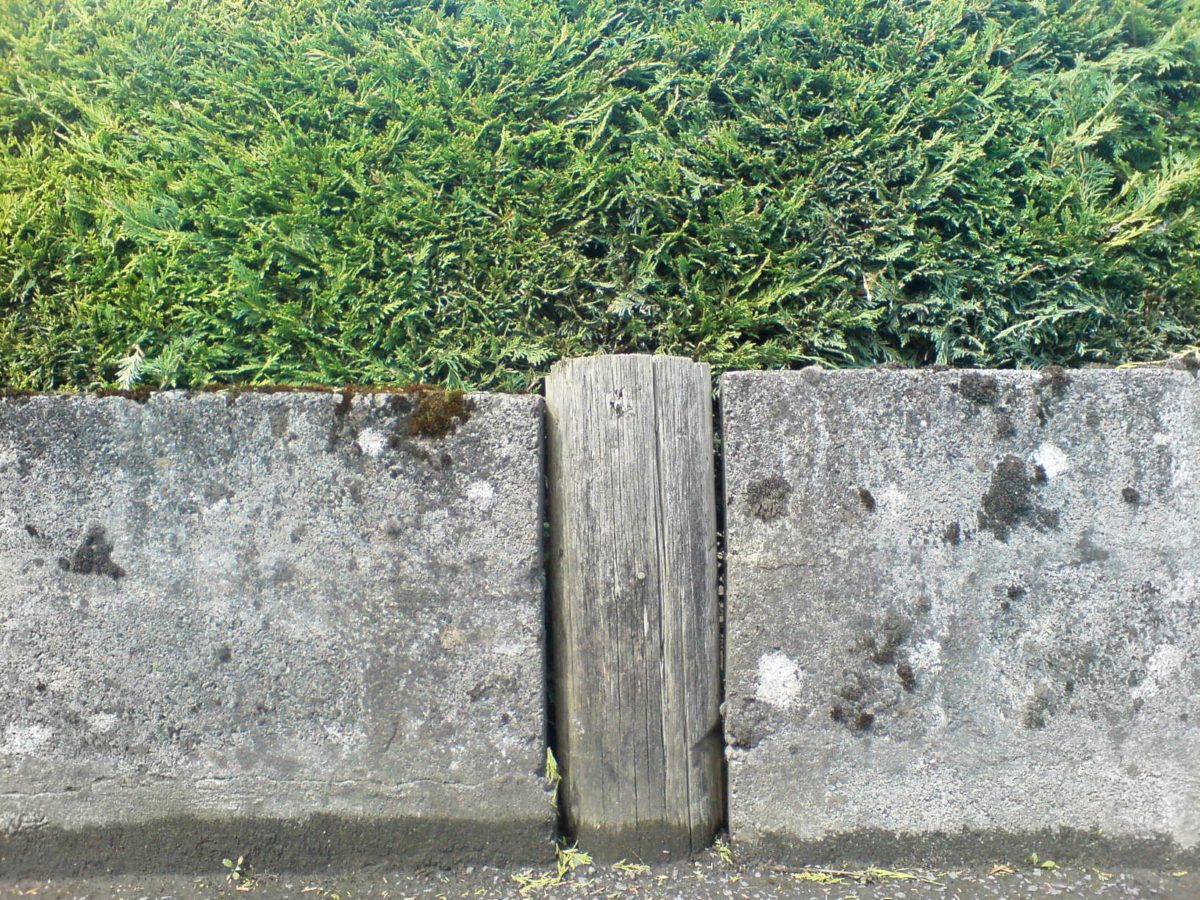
304 626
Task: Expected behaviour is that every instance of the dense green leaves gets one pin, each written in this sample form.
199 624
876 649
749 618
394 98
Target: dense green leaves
431 190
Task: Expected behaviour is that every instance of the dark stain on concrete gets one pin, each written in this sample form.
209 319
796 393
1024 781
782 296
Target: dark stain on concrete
492 687
853 705
881 847
1051 387
867 691
215 493
1056 380
283 572
400 404
1009 500
93 556
316 843
768 497
747 724
1187 362
979 388
1088 551
1039 708
280 419
338 429
1005 426
892 632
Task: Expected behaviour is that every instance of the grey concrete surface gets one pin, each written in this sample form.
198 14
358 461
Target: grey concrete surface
279 624
962 614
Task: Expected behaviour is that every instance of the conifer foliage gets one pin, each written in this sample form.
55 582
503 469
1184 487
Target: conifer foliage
461 191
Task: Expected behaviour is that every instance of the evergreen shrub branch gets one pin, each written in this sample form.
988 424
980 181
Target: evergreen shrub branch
462 191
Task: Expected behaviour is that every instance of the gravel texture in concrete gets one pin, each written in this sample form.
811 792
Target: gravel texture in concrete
305 624
963 614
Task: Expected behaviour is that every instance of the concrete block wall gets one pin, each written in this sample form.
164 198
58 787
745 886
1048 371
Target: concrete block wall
963 614
302 626
962 620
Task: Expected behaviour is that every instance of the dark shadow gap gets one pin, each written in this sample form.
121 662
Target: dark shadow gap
560 829
719 496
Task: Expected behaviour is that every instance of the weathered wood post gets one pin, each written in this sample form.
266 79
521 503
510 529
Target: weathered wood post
634 613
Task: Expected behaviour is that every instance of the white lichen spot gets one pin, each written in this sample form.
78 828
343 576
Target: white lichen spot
890 498
371 442
343 740
1052 460
1162 668
482 494
926 656
778 680
25 740
102 722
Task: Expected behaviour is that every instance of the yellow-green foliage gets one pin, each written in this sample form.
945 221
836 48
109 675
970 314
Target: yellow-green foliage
461 191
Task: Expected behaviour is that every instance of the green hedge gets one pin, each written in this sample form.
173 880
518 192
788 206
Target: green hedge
460 192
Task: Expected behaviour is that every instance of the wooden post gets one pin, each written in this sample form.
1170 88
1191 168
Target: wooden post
633 593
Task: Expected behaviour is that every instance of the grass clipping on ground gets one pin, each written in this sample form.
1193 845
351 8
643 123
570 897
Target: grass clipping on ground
568 859
870 875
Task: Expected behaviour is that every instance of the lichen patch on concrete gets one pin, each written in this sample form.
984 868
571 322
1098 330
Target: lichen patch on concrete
778 682
1052 459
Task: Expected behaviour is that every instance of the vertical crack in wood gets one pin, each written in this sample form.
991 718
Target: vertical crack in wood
612 387
663 622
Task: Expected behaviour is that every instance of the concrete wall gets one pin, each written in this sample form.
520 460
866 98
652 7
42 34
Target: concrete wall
963 620
278 624
963 614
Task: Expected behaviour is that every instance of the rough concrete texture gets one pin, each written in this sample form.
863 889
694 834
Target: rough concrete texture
963 614
284 625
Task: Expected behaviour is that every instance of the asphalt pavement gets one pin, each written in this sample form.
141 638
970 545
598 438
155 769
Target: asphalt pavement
716 874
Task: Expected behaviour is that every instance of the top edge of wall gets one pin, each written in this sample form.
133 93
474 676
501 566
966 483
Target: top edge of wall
233 392
1052 373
